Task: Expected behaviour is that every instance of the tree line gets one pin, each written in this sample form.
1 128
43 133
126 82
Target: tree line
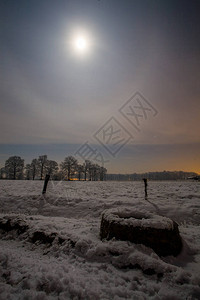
164 175
69 169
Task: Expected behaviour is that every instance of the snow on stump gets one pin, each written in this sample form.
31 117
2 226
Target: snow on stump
154 231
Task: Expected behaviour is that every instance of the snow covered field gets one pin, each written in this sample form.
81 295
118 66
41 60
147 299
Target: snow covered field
54 250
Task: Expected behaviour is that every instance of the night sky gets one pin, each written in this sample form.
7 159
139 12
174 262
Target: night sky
53 100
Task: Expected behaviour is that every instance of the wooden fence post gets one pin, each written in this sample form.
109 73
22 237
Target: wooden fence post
45 184
145 186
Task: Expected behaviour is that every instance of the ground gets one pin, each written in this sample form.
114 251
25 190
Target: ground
50 246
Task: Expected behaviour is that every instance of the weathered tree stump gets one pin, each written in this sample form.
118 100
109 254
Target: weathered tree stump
154 231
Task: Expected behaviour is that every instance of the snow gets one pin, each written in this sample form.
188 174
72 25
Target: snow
136 218
80 265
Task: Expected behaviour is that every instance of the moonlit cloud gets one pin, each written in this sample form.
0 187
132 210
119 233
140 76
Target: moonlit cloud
68 67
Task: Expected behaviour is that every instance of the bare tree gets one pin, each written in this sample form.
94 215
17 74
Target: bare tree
102 173
80 170
69 166
42 162
14 166
3 173
91 171
51 167
86 167
27 171
34 168
96 172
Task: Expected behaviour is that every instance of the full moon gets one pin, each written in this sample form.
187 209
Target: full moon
81 44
